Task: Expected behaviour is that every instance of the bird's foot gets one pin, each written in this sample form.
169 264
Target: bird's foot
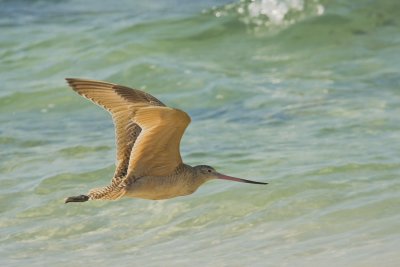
81 198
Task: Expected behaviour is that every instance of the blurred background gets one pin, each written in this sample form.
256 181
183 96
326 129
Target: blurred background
303 94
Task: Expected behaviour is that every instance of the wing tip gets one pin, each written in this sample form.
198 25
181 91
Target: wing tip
71 81
184 116
82 81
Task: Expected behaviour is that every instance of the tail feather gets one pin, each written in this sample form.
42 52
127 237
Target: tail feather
113 191
110 192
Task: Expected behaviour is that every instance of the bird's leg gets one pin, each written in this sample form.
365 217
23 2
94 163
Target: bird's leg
81 198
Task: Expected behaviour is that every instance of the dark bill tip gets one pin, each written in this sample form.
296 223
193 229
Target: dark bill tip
252 182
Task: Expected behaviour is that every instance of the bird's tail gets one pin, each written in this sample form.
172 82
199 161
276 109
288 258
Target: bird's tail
113 191
110 192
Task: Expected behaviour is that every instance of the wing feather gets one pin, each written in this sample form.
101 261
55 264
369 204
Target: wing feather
122 102
156 151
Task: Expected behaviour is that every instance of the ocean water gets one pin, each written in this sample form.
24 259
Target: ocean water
302 94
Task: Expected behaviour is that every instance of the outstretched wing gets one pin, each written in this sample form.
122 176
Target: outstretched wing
122 102
156 151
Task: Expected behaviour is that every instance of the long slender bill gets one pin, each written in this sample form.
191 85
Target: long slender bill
230 178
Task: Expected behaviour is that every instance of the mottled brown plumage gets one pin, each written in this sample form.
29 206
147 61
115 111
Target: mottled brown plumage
148 135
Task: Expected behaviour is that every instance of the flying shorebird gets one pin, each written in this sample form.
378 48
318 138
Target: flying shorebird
148 134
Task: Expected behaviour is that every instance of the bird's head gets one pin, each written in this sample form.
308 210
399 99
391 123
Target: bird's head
207 173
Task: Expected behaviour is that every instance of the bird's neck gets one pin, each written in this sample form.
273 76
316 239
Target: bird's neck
184 169
194 180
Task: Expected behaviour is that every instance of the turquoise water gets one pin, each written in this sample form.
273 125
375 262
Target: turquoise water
304 95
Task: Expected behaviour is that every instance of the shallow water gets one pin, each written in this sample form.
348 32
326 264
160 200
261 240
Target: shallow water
301 94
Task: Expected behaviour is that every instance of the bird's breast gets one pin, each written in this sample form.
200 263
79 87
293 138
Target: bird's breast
157 188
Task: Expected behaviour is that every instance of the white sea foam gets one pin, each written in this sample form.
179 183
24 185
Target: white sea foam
272 12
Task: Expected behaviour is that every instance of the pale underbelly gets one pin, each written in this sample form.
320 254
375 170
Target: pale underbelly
156 189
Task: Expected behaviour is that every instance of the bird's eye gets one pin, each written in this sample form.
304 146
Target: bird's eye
209 170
